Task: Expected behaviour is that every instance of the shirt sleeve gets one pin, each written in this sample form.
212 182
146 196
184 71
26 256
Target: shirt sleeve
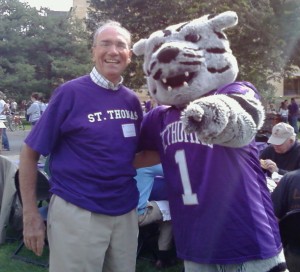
46 132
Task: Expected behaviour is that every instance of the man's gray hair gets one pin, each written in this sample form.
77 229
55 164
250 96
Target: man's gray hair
111 23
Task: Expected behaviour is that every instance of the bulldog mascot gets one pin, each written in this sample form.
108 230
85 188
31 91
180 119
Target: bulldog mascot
204 132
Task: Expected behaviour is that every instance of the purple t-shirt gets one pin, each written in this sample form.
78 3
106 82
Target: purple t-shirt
220 205
91 134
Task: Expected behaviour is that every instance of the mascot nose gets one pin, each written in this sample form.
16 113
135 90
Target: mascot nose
168 54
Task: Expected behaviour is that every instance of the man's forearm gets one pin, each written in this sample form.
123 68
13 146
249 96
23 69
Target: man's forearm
146 158
27 178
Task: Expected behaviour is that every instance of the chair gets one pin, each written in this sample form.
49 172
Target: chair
43 195
7 194
289 227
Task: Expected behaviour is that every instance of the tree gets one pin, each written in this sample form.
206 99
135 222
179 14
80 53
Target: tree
255 41
287 14
38 49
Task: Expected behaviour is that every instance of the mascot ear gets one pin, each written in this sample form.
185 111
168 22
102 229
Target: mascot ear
139 47
224 20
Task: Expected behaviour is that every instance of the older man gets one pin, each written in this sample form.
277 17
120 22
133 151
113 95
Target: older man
283 153
91 129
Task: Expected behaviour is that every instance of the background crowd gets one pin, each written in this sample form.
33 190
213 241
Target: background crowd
287 112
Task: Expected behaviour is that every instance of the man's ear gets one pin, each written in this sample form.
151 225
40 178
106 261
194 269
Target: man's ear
129 58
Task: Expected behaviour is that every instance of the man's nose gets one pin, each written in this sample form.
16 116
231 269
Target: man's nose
113 48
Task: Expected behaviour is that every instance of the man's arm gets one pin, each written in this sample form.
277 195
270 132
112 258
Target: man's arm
146 158
33 224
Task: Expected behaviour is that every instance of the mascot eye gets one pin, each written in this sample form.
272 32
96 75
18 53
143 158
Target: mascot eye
156 47
192 38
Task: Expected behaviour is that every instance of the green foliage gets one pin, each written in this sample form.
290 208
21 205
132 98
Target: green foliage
288 19
39 49
263 46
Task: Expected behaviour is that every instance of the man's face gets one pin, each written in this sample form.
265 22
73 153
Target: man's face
111 53
283 148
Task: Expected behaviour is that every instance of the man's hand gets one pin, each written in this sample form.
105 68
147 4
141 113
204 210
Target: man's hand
271 166
34 231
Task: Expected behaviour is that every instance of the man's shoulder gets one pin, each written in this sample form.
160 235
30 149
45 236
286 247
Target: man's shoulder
127 89
74 85
79 80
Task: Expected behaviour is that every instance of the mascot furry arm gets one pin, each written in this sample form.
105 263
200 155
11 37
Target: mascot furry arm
191 66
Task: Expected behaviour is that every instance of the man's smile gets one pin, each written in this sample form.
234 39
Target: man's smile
112 61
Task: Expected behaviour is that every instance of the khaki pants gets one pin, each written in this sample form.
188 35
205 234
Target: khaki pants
82 241
153 215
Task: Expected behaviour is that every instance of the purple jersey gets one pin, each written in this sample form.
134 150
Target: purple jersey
220 205
91 134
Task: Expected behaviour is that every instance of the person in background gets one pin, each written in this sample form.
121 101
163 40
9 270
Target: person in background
153 207
43 104
284 112
293 114
13 106
2 126
3 110
34 110
283 153
271 109
23 108
91 129
286 198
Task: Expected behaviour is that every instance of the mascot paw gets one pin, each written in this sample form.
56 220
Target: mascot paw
192 118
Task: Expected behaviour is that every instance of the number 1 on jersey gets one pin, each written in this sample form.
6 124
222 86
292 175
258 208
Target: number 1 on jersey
188 197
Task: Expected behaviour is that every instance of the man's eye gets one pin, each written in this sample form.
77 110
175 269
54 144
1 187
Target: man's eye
105 44
122 45
108 44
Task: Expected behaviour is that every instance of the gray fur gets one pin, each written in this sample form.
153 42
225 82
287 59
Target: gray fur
185 62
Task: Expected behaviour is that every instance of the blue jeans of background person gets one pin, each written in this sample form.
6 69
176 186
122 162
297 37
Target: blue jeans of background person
5 142
294 123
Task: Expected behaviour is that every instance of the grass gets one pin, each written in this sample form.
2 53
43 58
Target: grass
8 264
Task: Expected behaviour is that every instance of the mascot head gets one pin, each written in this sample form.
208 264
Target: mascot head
186 61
